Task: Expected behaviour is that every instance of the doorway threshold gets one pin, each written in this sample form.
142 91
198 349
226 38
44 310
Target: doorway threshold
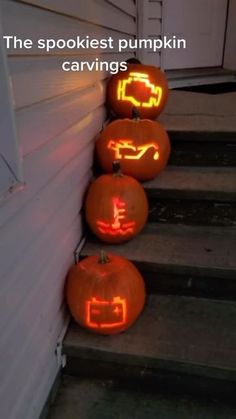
199 76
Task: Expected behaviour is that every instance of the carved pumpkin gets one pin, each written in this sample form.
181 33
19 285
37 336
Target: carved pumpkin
116 207
141 145
142 86
106 294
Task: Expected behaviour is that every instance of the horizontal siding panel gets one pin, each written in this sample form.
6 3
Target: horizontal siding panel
155 10
128 6
50 286
45 80
44 379
9 151
35 259
47 163
33 23
41 384
32 361
48 306
32 219
40 123
39 346
99 12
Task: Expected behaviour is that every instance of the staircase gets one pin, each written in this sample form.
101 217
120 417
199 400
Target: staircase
179 359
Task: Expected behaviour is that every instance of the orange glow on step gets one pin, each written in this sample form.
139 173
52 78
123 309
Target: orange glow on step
97 309
144 87
117 226
126 146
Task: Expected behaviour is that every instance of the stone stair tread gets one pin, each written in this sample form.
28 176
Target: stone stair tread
223 124
106 399
201 250
181 334
199 182
191 134
196 112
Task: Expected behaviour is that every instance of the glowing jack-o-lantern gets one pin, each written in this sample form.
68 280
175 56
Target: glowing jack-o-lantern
144 87
116 207
97 309
141 145
105 294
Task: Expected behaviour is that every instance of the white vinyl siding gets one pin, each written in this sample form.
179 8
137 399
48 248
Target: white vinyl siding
10 168
150 26
57 117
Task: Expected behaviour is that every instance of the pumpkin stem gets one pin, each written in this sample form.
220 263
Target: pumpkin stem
135 113
133 60
103 258
116 169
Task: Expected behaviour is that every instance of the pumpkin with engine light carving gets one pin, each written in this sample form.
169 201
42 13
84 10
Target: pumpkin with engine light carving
141 145
142 86
105 294
116 207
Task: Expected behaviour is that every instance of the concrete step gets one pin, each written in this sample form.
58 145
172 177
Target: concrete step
202 128
109 399
202 148
193 195
189 260
206 77
200 112
188 344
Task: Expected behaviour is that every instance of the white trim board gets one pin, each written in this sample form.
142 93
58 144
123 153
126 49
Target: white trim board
10 164
185 78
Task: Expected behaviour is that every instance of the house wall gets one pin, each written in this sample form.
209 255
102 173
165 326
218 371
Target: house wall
57 117
10 165
150 15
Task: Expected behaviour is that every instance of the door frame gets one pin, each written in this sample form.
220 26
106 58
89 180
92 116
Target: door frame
229 36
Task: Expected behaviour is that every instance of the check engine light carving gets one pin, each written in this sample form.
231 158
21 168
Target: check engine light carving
152 92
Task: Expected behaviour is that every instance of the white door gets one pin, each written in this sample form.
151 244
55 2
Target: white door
202 23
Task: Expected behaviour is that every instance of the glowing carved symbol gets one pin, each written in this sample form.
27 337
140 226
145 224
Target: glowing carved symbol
117 227
155 91
139 151
115 311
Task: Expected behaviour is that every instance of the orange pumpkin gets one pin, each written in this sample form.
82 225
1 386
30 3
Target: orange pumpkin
141 145
142 86
106 294
116 207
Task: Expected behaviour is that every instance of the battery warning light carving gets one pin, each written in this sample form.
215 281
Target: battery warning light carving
97 310
148 95
125 149
118 226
